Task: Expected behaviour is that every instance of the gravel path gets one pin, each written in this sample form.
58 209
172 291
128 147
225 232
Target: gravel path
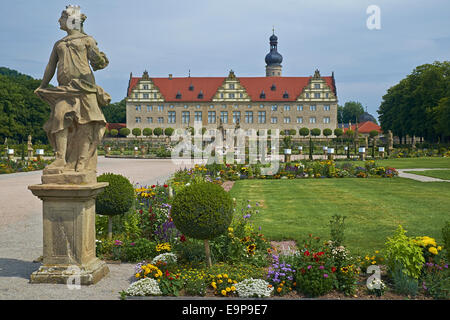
21 233
403 174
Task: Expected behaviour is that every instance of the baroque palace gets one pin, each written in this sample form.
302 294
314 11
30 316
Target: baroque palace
270 102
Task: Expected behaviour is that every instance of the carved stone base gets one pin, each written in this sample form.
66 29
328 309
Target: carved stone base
58 176
68 233
71 274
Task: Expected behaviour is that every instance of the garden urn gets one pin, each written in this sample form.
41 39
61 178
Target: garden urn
362 153
10 154
381 151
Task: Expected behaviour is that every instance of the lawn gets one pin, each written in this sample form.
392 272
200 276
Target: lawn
409 163
440 174
292 209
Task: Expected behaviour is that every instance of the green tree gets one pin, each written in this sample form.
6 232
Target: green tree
136 132
351 111
168 132
114 132
115 112
124 132
327 132
158 131
117 198
147 132
303 132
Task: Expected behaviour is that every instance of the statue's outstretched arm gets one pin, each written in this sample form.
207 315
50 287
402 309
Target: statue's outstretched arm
97 58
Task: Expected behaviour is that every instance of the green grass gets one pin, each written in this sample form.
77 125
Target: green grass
410 163
439 174
292 209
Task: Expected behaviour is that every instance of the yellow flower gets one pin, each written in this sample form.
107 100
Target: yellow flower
377 251
228 289
373 262
138 275
213 284
433 250
279 290
230 281
230 229
225 275
224 293
439 248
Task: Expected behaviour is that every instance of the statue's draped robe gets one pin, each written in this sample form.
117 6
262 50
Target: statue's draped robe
77 97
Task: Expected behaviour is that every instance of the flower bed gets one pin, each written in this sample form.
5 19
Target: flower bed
219 173
12 166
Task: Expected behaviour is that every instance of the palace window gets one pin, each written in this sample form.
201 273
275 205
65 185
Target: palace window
211 117
261 117
317 95
317 86
221 95
312 120
171 118
160 119
287 120
145 87
198 116
149 120
231 85
273 120
312 108
326 119
161 108
274 107
236 116
185 116
145 95
299 108
326 108
231 95
287 108
155 96
248 116
299 119
138 108
327 95
149 108
224 116
138 119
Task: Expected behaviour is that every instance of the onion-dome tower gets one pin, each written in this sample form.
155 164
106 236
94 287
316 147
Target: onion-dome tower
273 58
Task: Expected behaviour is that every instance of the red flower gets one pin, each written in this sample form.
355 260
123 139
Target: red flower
153 186
165 186
321 253
303 271
167 273
140 211
333 269
306 253
182 238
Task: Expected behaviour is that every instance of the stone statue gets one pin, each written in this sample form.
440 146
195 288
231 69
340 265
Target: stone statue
390 140
76 124
30 147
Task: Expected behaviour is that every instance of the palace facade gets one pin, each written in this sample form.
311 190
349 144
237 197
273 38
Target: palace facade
270 102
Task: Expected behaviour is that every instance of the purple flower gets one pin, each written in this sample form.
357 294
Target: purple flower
247 216
424 286
309 267
118 243
325 275
132 244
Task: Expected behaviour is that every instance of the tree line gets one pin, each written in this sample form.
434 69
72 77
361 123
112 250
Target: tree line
419 105
22 113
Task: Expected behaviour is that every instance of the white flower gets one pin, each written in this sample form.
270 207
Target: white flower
144 287
257 288
376 284
167 257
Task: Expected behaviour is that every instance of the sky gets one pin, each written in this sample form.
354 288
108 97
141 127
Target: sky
211 37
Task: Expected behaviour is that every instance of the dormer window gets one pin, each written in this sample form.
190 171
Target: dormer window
273 87
200 95
262 95
178 96
191 87
285 95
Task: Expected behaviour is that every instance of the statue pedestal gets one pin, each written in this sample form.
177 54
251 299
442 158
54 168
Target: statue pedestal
69 234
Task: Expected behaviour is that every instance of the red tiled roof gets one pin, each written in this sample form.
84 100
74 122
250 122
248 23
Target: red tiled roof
169 88
365 127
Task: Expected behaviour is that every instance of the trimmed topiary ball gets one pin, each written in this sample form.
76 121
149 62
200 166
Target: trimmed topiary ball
202 211
118 196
